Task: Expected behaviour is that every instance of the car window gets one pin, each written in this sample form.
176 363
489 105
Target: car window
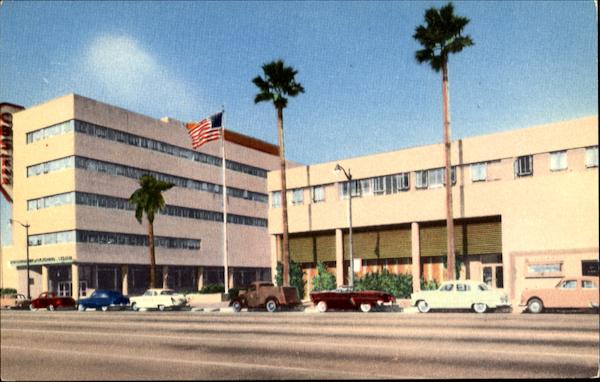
148 293
569 284
446 287
483 287
102 295
166 292
588 284
463 287
252 288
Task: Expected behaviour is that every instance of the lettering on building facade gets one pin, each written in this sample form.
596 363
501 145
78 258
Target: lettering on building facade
6 148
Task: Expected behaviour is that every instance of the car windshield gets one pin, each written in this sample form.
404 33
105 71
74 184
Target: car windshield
569 284
483 287
149 293
166 292
446 287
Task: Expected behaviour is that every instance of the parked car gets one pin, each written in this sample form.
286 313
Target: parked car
572 292
261 294
14 301
347 298
160 299
104 300
49 300
460 294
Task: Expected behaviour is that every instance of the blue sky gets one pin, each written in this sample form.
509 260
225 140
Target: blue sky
532 63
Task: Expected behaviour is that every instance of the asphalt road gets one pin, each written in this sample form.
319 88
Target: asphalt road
74 345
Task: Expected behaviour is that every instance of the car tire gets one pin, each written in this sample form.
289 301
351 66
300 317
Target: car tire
480 307
423 306
50 308
135 307
237 306
161 308
271 305
535 305
104 308
32 308
322 306
81 308
365 308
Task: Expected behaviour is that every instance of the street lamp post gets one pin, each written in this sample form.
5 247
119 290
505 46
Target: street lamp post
348 175
26 226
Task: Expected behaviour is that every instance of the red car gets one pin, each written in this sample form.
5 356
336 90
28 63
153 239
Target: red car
347 298
49 300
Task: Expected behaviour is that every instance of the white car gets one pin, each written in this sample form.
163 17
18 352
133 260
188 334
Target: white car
460 294
158 299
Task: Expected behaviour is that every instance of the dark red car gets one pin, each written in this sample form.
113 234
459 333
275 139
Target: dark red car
349 299
49 300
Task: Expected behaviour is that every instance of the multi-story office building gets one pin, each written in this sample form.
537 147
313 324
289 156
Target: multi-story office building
76 162
525 209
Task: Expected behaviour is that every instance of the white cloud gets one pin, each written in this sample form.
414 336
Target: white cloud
119 70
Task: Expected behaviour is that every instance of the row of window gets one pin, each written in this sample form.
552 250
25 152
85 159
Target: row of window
432 178
135 173
115 238
138 141
104 201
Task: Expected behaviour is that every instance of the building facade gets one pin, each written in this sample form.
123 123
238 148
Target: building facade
525 208
76 162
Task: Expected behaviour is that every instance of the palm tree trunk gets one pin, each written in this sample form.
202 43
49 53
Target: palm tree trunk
152 255
284 212
447 177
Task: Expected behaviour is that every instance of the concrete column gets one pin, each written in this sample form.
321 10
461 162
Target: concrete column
44 279
275 255
416 257
75 281
230 277
200 277
339 257
125 279
165 275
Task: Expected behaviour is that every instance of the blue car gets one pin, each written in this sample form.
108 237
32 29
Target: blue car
104 300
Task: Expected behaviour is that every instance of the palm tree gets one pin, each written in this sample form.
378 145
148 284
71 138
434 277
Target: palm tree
278 83
149 199
439 38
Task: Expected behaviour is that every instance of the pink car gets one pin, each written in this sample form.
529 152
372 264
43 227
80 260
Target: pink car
571 292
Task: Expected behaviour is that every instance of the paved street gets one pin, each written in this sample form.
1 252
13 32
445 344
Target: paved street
74 345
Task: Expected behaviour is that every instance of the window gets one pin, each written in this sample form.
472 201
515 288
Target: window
446 287
462 288
591 156
588 284
365 186
550 269
318 194
524 165
421 179
379 185
276 199
478 172
569 284
298 196
558 160
344 189
435 177
400 182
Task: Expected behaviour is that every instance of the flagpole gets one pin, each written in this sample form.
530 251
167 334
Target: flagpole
225 262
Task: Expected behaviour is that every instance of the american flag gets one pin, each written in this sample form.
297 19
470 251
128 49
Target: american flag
207 130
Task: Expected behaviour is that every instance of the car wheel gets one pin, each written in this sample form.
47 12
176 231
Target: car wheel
104 308
365 308
51 307
480 307
161 307
322 306
31 307
81 308
135 307
271 306
535 305
237 306
423 306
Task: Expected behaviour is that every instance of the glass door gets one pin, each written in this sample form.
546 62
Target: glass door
64 288
493 275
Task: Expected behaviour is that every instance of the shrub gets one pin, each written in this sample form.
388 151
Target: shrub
213 288
296 277
399 285
429 285
5 291
323 280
